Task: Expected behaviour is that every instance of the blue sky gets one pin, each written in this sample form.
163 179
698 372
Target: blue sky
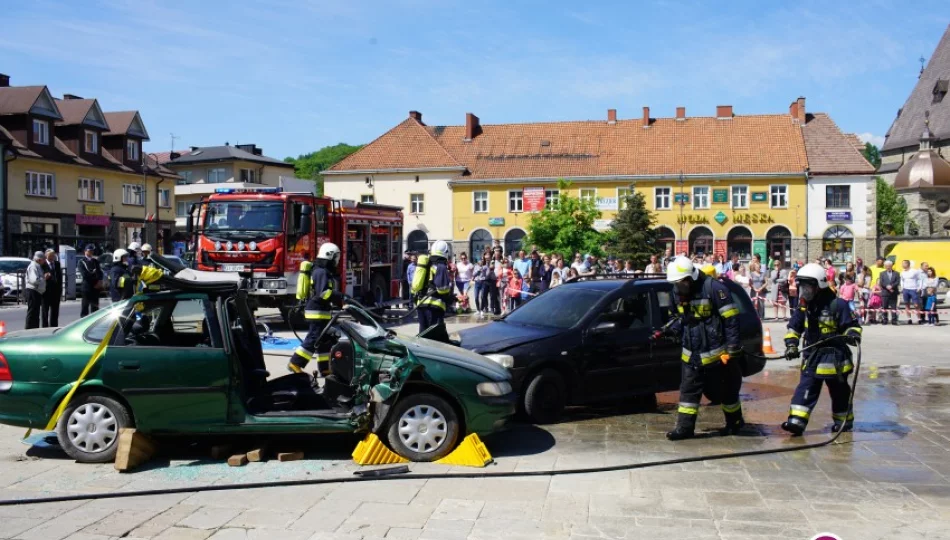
294 75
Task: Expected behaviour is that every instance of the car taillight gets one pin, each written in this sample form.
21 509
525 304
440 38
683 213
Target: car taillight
6 378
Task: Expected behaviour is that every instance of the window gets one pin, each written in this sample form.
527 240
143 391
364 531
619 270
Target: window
131 150
247 175
589 194
40 184
622 194
778 196
837 244
700 197
480 202
368 199
628 312
181 208
740 196
92 142
164 198
216 176
551 197
189 322
185 178
97 332
516 201
90 190
838 196
133 194
40 131
417 203
661 198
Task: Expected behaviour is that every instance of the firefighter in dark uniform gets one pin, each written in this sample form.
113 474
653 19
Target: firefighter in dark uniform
821 316
432 285
318 290
121 282
709 325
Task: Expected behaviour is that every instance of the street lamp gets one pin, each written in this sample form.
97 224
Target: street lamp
682 204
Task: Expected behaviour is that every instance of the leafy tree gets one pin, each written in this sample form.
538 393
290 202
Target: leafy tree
310 165
632 235
891 209
872 154
566 227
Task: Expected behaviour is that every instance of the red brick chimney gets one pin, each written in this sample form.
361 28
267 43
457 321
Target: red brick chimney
611 116
801 109
681 113
723 111
646 117
416 115
472 127
4 80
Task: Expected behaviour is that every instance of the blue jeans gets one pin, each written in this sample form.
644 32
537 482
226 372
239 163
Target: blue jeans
479 301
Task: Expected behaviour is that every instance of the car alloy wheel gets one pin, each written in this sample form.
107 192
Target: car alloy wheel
92 428
422 429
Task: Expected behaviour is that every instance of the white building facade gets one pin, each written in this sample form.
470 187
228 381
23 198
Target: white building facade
842 220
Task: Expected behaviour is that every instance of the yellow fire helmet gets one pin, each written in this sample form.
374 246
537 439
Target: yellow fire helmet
710 271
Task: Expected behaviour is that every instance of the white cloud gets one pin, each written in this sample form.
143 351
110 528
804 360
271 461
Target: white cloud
876 140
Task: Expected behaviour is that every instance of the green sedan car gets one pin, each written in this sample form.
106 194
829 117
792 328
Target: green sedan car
188 360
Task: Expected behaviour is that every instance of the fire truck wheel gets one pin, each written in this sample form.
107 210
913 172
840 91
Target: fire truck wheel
380 288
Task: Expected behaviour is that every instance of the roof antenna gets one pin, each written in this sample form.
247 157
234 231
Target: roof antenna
922 61
174 137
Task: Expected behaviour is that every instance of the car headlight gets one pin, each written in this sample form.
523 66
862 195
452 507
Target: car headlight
217 246
252 246
494 388
503 360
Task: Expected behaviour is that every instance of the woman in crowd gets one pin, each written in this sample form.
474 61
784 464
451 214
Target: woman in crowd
931 282
848 290
759 285
778 294
741 277
559 272
464 271
545 274
514 289
863 281
479 273
793 289
628 268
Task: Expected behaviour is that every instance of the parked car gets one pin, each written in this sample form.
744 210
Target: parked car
188 360
10 268
589 341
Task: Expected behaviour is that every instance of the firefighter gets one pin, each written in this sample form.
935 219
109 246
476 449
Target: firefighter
121 283
709 325
433 287
821 315
134 251
317 290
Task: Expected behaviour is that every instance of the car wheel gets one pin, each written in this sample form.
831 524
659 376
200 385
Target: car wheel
380 288
88 430
546 397
424 427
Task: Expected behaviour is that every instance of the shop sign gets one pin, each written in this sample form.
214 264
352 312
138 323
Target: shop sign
533 199
751 218
719 248
760 196
100 221
496 222
759 248
721 218
720 195
838 216
682 247
607 203
681 198
94 209
602 224
692 218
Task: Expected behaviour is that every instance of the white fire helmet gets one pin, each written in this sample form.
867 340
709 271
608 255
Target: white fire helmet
329 252
441 249
118 254
680 269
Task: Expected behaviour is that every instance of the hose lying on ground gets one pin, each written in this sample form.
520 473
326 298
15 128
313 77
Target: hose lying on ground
524 474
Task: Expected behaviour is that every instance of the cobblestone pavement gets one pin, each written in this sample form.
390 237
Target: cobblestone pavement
890 479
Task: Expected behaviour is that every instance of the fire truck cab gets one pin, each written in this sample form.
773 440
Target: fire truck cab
264 234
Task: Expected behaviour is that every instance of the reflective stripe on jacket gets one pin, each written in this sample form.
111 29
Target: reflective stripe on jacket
708 323
824 317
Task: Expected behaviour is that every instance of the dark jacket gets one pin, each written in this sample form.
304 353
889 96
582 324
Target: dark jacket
91 273
54 285
893 279
824 317
439 293
708 323
323 296
121 283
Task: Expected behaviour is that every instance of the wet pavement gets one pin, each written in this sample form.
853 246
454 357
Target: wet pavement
889 479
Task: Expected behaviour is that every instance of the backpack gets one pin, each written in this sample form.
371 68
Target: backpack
304 283
420 279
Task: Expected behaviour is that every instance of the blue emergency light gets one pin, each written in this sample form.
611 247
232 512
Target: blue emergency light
250 190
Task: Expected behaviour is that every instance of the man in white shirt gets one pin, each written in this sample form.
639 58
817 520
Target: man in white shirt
36 278
653 267
579 265
910 287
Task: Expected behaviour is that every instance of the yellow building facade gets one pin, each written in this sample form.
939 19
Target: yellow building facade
738 215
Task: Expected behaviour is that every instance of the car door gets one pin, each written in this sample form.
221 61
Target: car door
667 352
617 347
172 367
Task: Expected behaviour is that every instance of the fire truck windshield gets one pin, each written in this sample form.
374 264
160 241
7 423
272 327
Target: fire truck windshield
253 216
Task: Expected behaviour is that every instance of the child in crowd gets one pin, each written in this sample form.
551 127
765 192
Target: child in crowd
514 290
931 306
504 276
875 303
848 290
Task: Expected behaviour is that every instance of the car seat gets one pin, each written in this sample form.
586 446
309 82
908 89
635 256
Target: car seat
337 386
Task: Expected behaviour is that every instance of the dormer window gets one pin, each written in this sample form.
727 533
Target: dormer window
131 150
940 89
40 131
92 142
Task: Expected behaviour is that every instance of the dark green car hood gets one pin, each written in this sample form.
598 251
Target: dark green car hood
427 349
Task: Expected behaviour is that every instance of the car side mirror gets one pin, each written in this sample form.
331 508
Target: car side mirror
190 223
306 220
605 327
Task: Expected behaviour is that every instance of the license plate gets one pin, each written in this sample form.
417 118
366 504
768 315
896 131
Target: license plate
232 267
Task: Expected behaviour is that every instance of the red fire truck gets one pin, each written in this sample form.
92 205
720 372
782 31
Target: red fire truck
263 234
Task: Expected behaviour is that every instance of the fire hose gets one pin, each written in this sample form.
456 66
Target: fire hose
513 474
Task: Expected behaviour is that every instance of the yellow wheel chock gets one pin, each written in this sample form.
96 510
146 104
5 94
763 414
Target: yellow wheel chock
470 453
372 451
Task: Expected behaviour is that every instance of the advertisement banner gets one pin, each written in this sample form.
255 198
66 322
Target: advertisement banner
607 203
719 248
682 247
720 195
83 219
760 196
533 199
759 248
838 216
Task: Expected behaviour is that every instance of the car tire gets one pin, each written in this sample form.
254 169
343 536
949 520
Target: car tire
424 427
103 416
545 397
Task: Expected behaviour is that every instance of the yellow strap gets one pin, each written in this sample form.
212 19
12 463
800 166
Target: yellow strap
100 350
150 275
